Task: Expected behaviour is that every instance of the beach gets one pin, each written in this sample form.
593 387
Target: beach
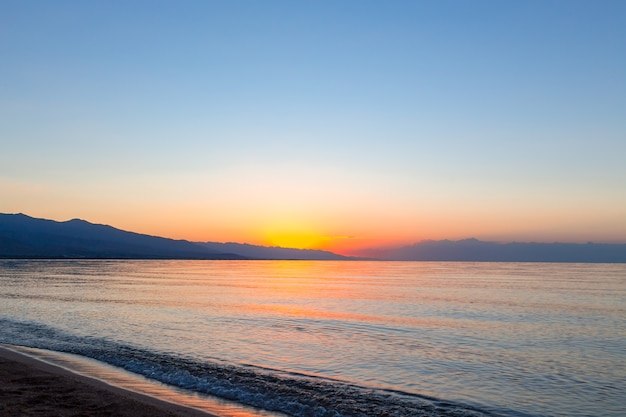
29 387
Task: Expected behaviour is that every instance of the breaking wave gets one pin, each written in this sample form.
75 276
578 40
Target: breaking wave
273 390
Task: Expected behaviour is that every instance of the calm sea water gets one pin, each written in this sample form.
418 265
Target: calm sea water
341 338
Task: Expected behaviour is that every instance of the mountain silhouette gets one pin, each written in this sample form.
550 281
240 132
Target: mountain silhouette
22 236
476 250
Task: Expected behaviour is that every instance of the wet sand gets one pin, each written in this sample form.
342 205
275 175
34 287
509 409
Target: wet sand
29 387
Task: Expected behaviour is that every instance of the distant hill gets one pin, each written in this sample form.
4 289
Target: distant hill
476 250
22 236
273 252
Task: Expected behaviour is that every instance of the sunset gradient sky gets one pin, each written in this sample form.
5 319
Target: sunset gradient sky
325 124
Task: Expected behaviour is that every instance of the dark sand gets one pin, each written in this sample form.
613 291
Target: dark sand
29 387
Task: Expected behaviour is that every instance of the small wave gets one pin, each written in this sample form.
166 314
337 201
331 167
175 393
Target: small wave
296 395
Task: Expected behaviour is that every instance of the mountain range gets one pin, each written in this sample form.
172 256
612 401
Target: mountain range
473 250
22 236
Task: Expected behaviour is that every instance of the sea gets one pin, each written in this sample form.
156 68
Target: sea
338 338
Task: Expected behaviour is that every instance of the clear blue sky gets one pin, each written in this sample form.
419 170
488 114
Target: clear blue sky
325 123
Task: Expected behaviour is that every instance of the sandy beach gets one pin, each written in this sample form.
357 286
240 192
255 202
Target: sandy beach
29 387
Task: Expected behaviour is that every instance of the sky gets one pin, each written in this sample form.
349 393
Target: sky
338 124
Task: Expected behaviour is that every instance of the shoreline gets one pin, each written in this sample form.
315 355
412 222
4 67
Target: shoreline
32 387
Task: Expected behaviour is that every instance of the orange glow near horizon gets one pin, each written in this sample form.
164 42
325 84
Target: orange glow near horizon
349 237
296 240
293 234
326 211
345 231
